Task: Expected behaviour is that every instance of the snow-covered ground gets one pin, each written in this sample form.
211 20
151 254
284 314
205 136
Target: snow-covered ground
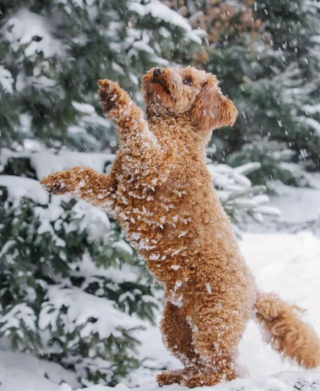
286 263
23 372
285 381
300 209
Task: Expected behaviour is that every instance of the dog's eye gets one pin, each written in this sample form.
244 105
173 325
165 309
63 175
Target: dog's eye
187 82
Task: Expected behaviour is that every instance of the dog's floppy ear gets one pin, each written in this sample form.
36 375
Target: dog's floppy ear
212 110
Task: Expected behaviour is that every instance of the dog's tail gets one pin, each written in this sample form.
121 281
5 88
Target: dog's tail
286 332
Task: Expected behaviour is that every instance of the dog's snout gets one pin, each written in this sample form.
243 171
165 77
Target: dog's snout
157 72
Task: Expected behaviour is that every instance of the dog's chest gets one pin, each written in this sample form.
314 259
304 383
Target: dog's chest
151 208
156 206
151 192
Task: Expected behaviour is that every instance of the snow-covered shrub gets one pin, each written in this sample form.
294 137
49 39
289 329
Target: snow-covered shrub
72 289
70 283
240 199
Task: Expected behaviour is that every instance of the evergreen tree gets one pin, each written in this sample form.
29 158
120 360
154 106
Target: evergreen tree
53 53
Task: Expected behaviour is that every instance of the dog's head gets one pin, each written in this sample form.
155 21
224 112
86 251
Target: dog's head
189 92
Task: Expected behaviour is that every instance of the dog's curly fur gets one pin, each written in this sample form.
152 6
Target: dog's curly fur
163 196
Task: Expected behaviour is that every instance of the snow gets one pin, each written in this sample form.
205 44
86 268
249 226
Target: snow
94 220
140 45
21 29
281 382
237 194
117 68
25 122
46 162
290 266
7 154
23 372
225 177
312 122
88 270
19 187
6 79
300 208
76 130
247 168
161 11
123 247
298 204
83 107
316 39
81 308
311 109
19 313
47 215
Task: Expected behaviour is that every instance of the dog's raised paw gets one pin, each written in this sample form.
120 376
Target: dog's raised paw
53 185
107 86
109 92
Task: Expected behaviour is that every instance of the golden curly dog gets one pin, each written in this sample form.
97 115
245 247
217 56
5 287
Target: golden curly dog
163 196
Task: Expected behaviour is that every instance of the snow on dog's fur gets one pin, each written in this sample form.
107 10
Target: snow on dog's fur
162 194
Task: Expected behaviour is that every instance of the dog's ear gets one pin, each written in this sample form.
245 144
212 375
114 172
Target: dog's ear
212 110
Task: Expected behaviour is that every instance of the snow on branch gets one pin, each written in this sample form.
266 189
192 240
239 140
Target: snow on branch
238 196
46 162
84 312
311 109
315 125
18 316
6 79
19 187
31 32
158 10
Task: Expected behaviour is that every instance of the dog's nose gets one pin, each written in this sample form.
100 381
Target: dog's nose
157 72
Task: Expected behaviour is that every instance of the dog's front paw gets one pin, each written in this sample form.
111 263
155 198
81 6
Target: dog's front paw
109 92
107 86
58 183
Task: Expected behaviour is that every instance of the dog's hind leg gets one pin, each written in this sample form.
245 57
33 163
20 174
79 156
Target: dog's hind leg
177 336
218 325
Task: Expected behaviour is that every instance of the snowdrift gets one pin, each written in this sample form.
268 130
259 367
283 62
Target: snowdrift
285 381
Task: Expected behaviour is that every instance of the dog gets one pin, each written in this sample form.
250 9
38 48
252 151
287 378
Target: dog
161 191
